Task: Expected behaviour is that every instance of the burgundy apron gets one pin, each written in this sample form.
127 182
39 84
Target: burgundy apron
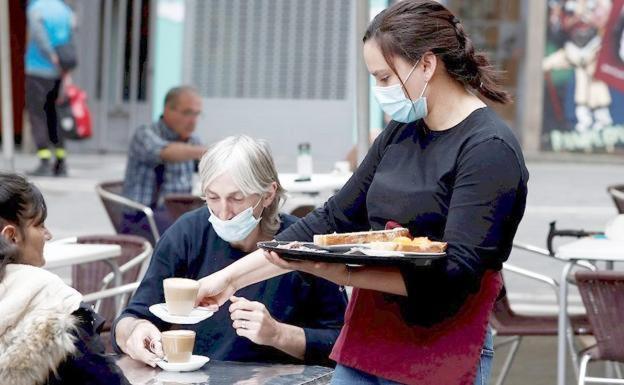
375 339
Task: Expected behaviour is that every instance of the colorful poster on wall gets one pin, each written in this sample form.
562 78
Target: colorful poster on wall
584 77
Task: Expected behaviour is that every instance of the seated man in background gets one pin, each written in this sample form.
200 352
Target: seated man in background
162 158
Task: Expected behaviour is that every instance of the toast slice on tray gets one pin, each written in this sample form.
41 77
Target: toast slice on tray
416 245
360 237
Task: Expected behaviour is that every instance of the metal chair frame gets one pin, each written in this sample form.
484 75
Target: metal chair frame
107 195
516 340
124 290
605 323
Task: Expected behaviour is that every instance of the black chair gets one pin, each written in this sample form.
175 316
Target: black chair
178 204
118 206
603 295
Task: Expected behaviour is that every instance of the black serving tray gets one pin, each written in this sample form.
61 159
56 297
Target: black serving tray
338 254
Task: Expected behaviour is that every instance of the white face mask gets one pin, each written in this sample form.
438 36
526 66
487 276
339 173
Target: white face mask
237 228
393 101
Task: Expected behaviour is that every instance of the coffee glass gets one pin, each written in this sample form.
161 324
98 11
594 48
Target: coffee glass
178 345
180 295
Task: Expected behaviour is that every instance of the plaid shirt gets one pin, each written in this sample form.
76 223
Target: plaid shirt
147 174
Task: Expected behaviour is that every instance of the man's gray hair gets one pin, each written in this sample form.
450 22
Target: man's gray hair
172 95
250 164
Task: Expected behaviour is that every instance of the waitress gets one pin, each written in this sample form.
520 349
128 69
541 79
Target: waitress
446 167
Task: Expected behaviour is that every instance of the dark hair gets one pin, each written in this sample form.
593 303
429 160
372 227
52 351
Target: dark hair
174 93
20 201
9 253
410 28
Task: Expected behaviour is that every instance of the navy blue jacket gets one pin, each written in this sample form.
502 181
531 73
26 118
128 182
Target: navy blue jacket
191 248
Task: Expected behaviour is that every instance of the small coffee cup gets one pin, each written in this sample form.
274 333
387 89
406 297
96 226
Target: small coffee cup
178 345
180 295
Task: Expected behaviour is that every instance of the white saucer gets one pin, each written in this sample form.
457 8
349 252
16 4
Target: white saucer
195 377
194 363
197 315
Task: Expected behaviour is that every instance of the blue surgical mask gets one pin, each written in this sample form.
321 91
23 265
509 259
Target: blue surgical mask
393 102
237 228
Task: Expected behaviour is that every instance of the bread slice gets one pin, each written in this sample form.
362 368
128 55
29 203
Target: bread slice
360 237
417 245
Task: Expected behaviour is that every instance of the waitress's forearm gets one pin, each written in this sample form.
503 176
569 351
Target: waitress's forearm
251 269
386 280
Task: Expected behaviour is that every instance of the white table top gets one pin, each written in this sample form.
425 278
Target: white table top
59 254
318 182
601 249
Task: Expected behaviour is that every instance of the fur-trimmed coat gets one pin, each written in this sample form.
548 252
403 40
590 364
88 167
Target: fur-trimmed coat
50 345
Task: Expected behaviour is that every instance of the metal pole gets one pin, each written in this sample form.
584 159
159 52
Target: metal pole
105 73
362 82
531 97
134 63
6 87
122 31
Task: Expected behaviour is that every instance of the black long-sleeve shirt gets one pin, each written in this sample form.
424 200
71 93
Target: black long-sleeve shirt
466 186
191 248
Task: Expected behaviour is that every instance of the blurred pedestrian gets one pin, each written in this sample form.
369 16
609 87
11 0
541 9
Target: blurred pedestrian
50 30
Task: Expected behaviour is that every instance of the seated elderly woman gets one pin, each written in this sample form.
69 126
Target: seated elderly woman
288 319
47 336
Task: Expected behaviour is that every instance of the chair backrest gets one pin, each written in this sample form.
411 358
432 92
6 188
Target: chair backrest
118 207
603 296
178 204
617 194
302 211
134 258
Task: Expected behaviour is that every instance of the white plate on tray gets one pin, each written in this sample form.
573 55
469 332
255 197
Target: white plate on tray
388 253
365 249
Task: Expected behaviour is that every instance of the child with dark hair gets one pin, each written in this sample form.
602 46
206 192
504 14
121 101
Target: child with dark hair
47 335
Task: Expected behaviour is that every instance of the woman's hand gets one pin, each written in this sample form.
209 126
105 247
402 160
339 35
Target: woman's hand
253 321
215 290
143 343
335 272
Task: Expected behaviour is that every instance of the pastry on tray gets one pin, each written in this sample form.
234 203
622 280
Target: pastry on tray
397 239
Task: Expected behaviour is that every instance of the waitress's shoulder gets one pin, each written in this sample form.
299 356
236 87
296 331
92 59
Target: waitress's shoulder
484 124
490 140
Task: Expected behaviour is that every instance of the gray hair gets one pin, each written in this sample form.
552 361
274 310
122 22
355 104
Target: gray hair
250 164
174 93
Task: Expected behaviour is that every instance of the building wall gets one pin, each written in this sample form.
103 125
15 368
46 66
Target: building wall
278 70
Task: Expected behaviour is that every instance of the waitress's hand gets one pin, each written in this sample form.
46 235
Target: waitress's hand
335 272
215 290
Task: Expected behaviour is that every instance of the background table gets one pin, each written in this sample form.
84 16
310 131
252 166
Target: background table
228 373
66 254
61 254
318 183
590 249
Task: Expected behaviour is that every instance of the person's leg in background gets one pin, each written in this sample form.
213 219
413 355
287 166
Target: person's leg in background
37 90
56 138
